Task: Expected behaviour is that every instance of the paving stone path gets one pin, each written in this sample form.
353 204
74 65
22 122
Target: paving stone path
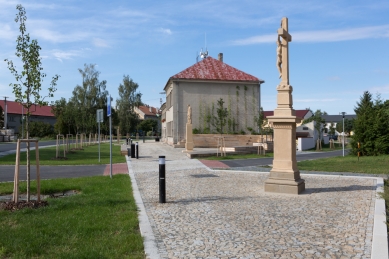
227 214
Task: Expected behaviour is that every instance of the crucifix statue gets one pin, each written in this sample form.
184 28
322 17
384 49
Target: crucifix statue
282 51
284 177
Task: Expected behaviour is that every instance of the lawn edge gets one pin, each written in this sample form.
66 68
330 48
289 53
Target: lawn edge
149 240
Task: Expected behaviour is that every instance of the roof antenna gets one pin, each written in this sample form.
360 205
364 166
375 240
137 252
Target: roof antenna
204 54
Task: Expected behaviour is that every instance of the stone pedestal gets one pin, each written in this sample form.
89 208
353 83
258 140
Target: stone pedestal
285 176
189 137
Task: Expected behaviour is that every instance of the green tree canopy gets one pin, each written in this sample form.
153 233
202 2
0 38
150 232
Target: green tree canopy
148 125
87 99
220 120
371 127
128 99
260 120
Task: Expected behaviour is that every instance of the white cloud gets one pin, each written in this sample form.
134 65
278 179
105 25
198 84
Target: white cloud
100 43
165 31
57 37
61 55
6 32
380 89
323 35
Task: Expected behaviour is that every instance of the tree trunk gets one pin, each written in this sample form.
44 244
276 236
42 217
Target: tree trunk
28 153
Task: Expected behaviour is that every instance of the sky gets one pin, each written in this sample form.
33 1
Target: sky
339 48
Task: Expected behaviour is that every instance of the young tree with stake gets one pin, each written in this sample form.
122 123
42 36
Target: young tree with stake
29 80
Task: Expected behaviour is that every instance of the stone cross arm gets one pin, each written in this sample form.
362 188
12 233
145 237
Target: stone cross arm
284 34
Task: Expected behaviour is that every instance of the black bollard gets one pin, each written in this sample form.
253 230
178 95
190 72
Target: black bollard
132 150
137 150
130 141
162 183
127 141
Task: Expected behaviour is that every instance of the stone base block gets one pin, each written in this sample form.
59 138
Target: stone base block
284 186
189 145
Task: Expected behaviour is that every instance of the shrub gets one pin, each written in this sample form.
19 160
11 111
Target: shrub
39 129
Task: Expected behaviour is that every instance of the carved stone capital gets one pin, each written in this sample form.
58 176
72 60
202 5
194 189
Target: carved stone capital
284 87
277 125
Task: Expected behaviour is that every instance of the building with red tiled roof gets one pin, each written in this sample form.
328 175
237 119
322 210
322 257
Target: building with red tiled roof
146 112
201 86
15 111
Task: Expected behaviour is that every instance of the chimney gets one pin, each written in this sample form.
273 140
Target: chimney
151 109
220 57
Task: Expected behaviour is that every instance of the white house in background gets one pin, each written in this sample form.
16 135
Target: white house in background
305 133
335 119
201 86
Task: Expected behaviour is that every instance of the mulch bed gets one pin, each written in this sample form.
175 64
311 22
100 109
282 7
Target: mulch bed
12 206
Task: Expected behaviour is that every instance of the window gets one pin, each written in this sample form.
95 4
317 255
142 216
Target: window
12 118
169 100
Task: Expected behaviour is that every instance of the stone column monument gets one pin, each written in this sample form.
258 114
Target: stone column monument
189 133
285 176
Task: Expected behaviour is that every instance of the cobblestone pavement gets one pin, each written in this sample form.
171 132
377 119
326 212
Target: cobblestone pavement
226 214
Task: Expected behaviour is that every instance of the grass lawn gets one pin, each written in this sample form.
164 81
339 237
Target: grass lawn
88 156
326 147
100 222
366 164
237 156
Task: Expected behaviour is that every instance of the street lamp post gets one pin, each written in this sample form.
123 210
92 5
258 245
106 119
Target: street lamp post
343 113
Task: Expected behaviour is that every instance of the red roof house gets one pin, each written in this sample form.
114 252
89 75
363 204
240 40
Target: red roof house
200 86
15 111
146 112
211 69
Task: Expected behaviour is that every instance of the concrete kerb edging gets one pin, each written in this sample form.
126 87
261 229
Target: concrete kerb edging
380 235
149 242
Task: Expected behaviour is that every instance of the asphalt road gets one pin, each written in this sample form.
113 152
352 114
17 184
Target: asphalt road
267 161
51 172
46 172
11 146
